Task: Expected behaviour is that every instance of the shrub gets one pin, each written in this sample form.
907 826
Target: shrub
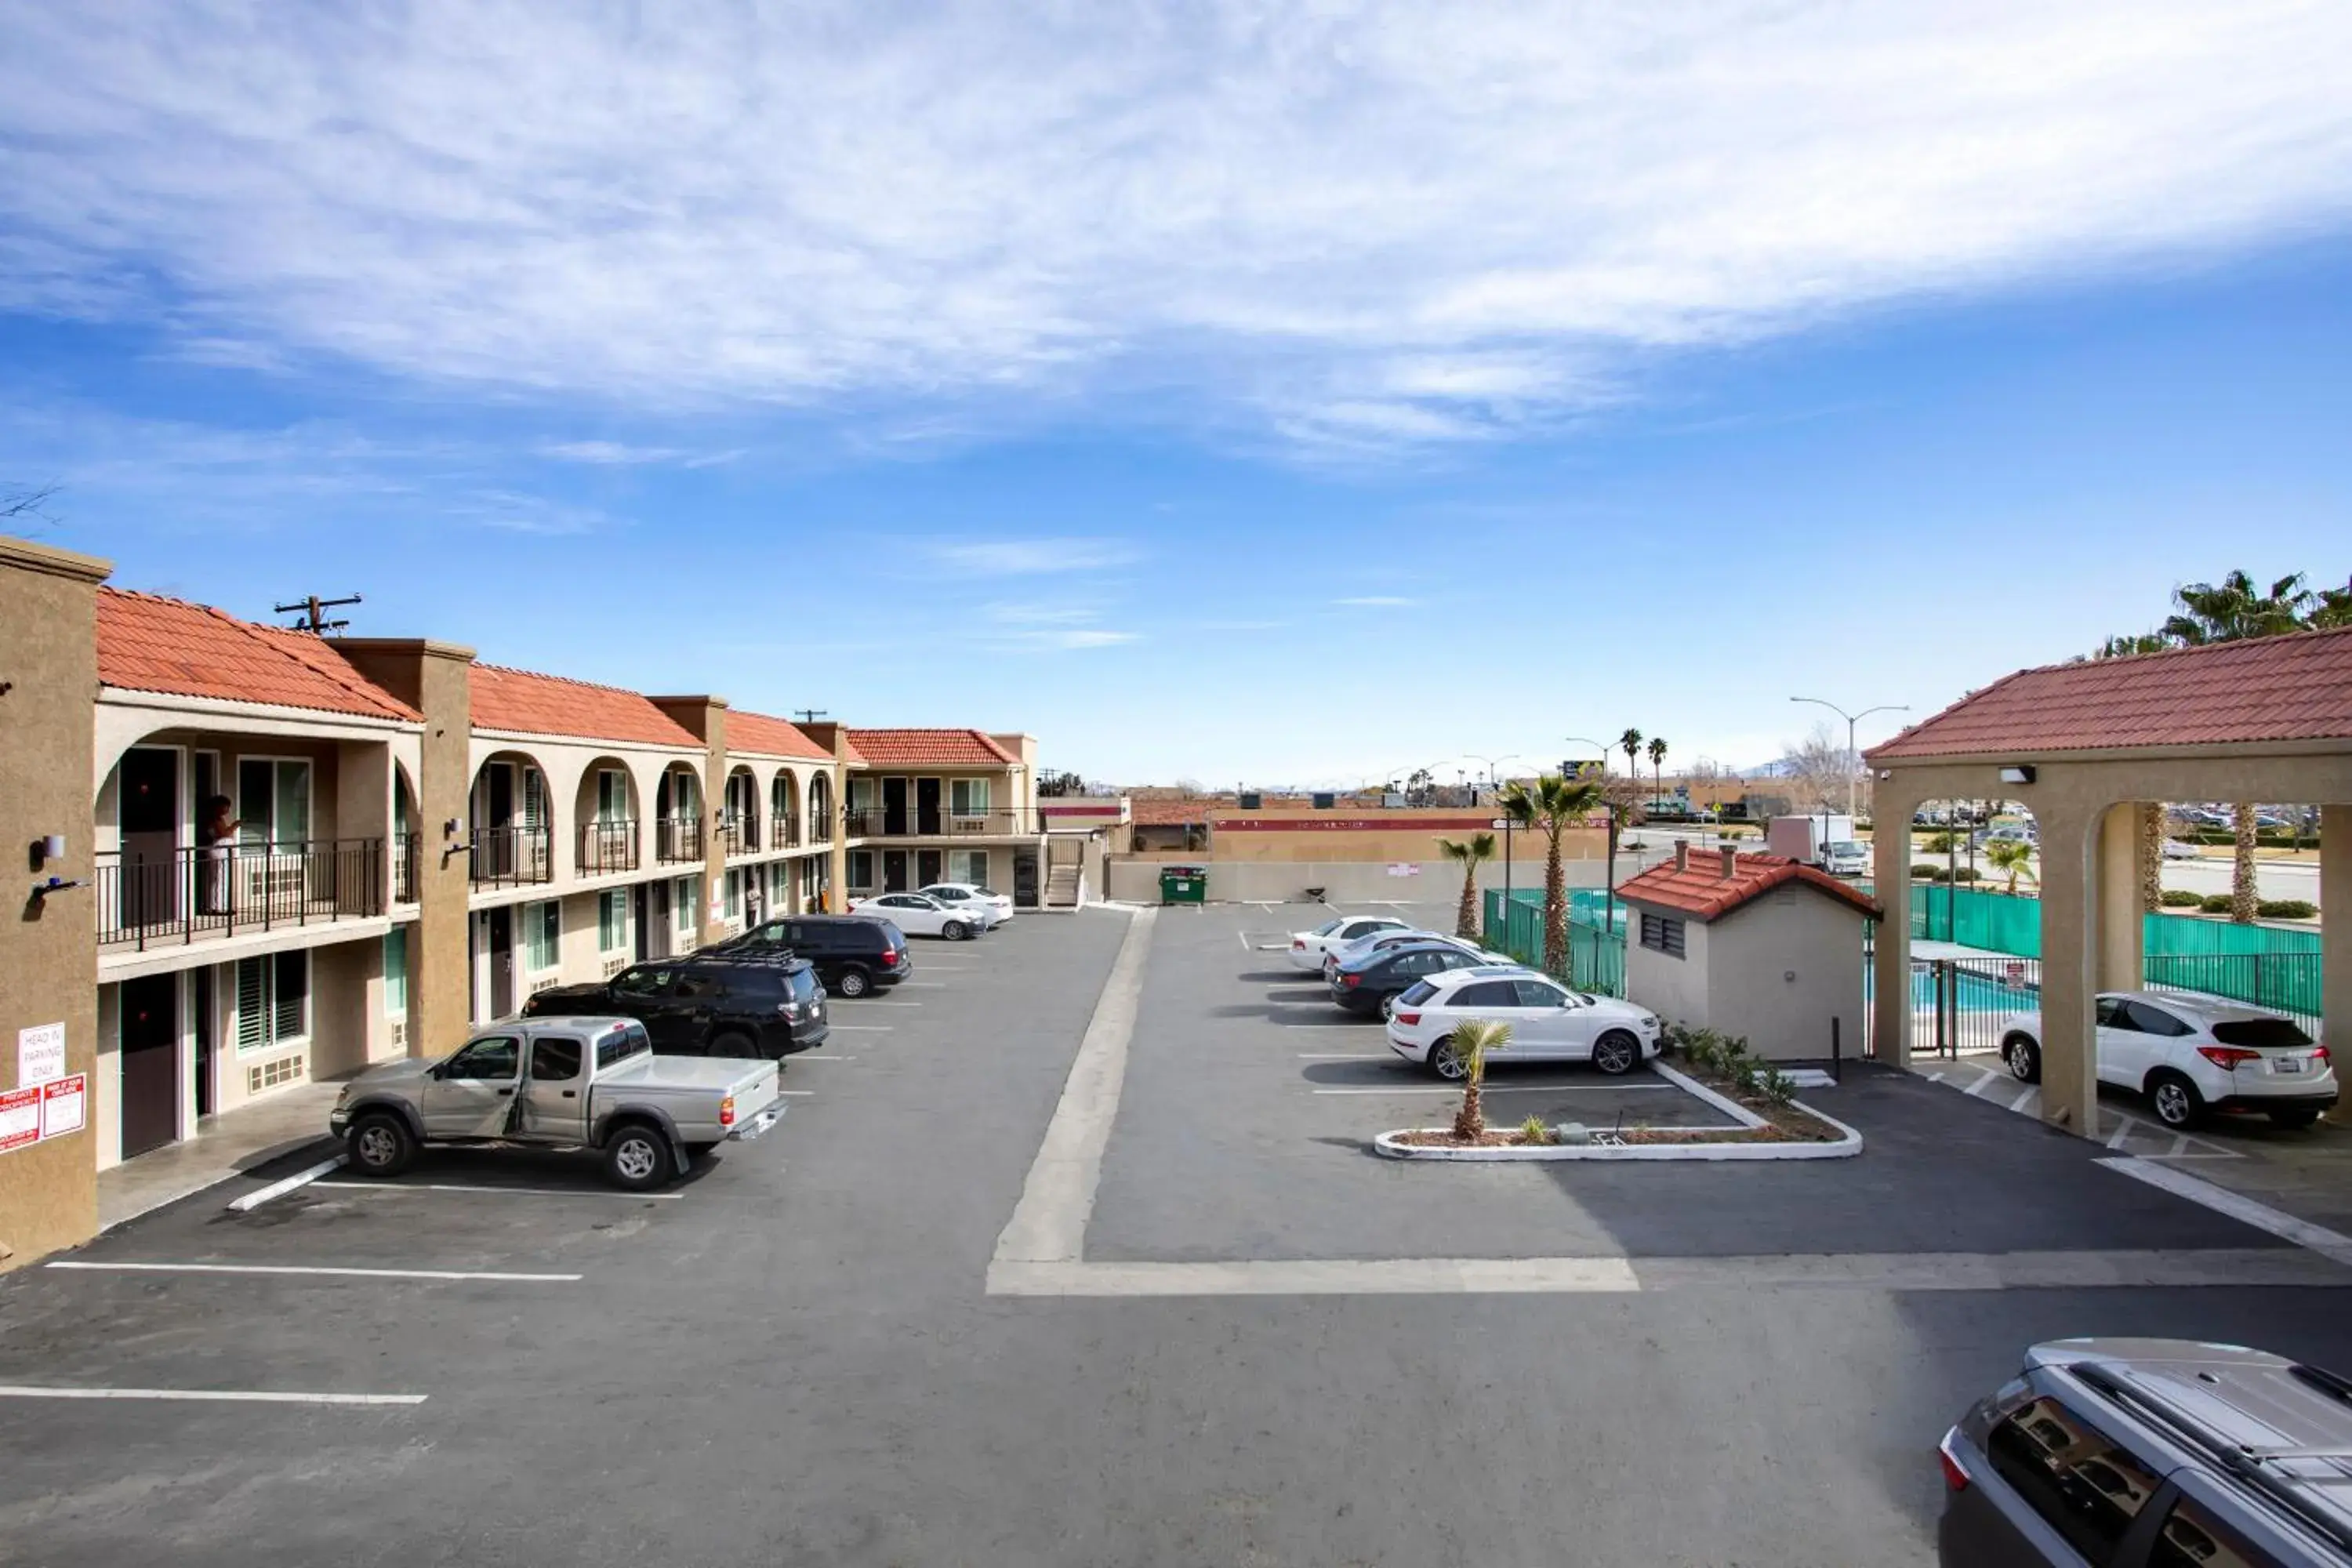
2215 903
1967 874
1533 1131
2180 898
1938 844
2286 908
1922 872
1777 1087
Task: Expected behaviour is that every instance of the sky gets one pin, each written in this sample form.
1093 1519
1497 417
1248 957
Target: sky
1245 392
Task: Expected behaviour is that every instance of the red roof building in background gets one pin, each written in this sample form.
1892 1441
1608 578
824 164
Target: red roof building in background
149 642
759 735
929 749
1710 884
2295 687
522 701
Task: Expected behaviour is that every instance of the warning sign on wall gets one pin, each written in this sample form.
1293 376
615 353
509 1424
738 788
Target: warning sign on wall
65 1105
20 1117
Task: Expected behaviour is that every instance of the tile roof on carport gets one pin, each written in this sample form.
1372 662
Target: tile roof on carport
2296 687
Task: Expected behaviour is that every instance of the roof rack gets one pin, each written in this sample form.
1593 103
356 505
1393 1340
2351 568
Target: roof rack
2249 1465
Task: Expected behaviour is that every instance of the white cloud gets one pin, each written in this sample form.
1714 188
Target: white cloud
1363 226
608 453
1029 557
1376 601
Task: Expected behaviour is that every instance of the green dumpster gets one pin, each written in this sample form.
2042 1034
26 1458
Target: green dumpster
1183 884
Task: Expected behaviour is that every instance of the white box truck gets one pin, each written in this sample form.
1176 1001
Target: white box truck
1807 838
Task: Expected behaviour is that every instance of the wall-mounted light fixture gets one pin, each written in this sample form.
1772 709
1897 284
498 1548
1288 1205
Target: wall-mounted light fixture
2022 773
47 848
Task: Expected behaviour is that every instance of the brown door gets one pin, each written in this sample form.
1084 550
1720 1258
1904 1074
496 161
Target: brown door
502 988
927 866
151 1063
150 817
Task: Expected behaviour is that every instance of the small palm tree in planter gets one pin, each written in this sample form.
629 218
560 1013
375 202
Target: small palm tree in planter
1553 805
1479 849
1472 1041
2010 856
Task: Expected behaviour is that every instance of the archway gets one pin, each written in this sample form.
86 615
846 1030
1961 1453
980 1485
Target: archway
677 815
820 793
783 808
605 806
739 814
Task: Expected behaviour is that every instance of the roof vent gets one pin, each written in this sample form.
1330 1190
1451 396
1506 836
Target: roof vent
1682 854
1730 863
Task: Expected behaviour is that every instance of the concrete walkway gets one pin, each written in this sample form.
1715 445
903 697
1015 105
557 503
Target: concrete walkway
222 1146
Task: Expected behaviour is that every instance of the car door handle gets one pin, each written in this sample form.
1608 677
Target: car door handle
504 1092
571 1094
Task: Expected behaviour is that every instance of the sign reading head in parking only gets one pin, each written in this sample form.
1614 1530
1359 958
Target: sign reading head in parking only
40 1054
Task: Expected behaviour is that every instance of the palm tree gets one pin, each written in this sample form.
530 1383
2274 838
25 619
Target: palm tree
1630 743
1551 806
1658 765
1472 1041
1479 849
2010 856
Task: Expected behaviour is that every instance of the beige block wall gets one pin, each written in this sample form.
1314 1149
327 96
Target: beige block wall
1778 971
1278 881
49 948
1675 989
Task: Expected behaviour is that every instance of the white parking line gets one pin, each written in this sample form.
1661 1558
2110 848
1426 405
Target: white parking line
1981 1086
863 1028
227 1395
1347 1056
2238 1206
1492 1088
338 1273
279 1189
827 1058
502 1191
922 986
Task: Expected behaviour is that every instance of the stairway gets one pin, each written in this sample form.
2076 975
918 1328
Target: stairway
1063 888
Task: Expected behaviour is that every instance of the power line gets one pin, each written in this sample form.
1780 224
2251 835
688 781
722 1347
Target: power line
313 609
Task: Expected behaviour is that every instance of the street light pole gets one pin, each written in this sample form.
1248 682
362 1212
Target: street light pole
1853 757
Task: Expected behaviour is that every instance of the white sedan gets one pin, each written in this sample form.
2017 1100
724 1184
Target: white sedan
918 914
1549 1022
1308 947
1381 940
971 896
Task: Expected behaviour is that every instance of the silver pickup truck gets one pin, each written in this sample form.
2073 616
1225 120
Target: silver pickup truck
592 1083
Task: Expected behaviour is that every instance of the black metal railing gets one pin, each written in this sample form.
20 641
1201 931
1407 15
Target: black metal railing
512 856
406 851
677 840
787 833
917 822
738 835
820 826
182 894
608 846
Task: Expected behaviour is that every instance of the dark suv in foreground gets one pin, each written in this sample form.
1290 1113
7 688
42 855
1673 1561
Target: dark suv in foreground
710 1005
853 954
2152 1454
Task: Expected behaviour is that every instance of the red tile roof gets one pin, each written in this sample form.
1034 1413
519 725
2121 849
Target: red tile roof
1702 891
928 749
148 643
757 734
532 704
1173 812
2297 687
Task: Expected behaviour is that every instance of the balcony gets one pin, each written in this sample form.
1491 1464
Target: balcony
677 841
512 856
738 835
148 900
917 823
786 831
608 846
406 848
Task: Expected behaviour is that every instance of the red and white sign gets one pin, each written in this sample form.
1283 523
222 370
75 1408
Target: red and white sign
65 1105
20 1117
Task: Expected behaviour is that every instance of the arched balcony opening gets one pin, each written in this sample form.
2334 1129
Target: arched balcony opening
739 813
677 816
611 828
784 809
513 821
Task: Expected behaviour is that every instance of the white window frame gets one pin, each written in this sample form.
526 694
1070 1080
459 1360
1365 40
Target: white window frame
269 1036
543 920
968 865
686 904
731 891
612 899
616 809
237 793
395 990
974 790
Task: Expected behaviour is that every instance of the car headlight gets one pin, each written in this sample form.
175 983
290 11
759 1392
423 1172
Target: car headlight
1649 1023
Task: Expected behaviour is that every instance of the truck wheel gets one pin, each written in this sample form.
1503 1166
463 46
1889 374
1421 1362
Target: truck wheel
638 1159
380 1144
853 982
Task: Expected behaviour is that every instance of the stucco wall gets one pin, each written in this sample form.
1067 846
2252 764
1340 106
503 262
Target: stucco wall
1675 989
1437 881
1752 953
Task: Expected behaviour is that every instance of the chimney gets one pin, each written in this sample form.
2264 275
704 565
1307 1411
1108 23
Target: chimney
1682 854
1730 862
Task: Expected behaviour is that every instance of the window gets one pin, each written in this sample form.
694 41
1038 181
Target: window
2261 1034
554 1059
968 865
611 795
534 798
1536 993
1486 994
734 894
968 797
641 982
542 932
861 867
1414 995
2111 1013
273 802
612 921
2150 1020
1663 933
273 1000
494 1058
620 1043
396 973
2072 1474
686 903
2191 1538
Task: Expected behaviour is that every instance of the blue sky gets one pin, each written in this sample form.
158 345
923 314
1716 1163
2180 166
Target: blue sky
1263 394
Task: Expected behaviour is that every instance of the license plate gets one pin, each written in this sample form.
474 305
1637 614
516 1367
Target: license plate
2287 1064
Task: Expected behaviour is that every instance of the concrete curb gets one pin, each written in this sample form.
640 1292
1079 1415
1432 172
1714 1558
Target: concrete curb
1848 1145
1699 1091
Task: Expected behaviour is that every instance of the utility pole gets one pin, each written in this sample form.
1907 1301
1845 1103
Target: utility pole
314 611
1853 757
811 715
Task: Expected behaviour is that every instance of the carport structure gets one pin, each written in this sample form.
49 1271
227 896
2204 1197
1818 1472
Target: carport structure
2080 745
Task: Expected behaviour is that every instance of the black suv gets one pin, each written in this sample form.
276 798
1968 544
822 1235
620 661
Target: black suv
853 954
710 1005
2152 1454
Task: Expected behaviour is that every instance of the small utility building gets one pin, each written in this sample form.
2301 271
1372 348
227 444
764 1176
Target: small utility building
1757 945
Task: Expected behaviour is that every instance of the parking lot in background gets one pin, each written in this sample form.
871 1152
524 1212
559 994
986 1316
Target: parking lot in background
794 1355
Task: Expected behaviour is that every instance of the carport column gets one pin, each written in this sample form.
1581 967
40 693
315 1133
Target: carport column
2122 930
2070 955
2335 926
1892 802
436 679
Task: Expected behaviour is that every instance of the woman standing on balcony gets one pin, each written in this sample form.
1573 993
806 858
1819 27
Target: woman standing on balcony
218 831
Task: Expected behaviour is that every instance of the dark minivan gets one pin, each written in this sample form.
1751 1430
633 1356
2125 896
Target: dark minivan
2152 1454
853 954
711 1005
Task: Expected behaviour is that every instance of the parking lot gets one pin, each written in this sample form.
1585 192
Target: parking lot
1263 1345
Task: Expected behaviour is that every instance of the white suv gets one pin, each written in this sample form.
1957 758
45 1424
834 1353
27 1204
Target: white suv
2191 1054
1308 947
1549 1022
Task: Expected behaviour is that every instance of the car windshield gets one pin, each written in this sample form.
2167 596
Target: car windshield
2261 1034
1846 847
1328 926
